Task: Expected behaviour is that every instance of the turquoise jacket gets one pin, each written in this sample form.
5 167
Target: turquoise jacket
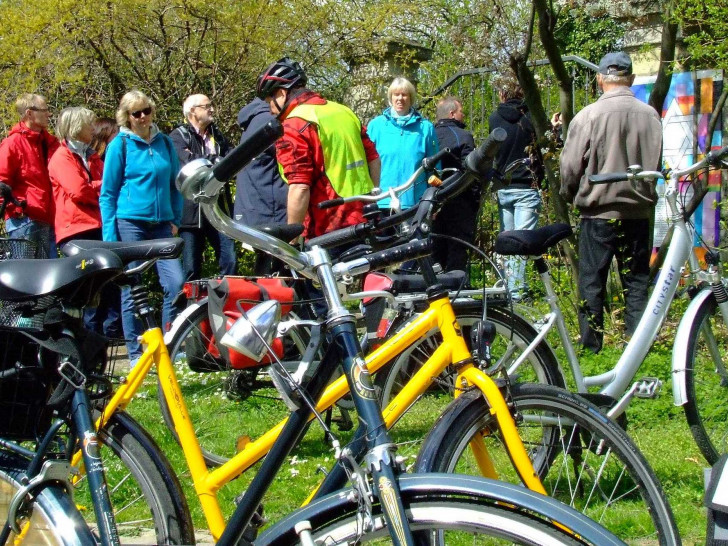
401 149
139 181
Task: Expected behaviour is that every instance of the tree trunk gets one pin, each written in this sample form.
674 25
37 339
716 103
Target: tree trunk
667 56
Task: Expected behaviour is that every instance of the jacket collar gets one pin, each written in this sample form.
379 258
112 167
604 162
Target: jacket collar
621 91
414 117
446 122
154 131
304 96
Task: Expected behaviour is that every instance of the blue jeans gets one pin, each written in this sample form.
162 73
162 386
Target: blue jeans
40 233
194 239
171 277
518 209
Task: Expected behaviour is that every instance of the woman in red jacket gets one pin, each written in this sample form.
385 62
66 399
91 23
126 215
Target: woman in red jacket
75 171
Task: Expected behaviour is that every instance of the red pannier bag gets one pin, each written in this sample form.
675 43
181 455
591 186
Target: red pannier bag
223 296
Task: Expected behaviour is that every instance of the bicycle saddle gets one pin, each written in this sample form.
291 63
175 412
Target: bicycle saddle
75 280
406 283
284 232
531 242
129 251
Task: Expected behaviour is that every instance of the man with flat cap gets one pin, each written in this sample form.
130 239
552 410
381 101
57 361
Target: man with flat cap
615 132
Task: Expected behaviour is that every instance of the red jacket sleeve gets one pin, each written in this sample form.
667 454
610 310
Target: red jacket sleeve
8 163
296 151
69 175
369 147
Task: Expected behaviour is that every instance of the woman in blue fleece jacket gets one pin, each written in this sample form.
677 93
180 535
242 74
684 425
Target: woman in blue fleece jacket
139 200
403 139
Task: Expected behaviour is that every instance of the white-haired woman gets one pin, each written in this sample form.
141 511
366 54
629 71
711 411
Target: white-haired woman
403 139
139 200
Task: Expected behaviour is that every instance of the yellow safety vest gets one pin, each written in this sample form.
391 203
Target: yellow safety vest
339 130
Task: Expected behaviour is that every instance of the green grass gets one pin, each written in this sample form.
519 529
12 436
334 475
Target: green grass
657 427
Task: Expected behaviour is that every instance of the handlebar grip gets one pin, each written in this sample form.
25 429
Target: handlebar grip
339 237
251 146
606 178
480 159
429 162
713 157
398 254
330 203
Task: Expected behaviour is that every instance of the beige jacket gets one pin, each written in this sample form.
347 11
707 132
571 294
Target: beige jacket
616 131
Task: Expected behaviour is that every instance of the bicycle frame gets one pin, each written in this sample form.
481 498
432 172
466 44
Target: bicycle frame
452 350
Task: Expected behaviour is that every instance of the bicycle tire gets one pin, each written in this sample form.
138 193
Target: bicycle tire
220 412
142 484
706 389
449 515
612 482
53 518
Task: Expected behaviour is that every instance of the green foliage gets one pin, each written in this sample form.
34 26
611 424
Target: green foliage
580 32
705 26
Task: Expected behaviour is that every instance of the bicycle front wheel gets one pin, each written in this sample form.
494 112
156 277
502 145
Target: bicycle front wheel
706 381
149 505
51 519
473 511
583 458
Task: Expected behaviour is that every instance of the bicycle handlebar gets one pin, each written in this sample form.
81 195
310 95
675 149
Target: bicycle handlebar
248 149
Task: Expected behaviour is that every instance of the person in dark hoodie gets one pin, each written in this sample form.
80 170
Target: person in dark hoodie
261 196
24 157
519 203
458 217
199 138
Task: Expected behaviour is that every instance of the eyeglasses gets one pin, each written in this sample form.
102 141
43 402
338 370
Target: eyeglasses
138 113
36 109
207 106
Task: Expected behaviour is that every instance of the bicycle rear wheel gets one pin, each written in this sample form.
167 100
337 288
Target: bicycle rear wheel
513 335
706 381
52 518
583 458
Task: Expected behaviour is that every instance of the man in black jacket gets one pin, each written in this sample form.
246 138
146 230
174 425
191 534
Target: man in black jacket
261 196
200 138
519 203
458 217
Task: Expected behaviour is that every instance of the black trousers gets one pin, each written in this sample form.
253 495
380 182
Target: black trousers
457 218
599 241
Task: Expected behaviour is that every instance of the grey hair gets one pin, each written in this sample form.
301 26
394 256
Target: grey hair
132 97
618 80
72 120
447 105
25 101
403 84
190 102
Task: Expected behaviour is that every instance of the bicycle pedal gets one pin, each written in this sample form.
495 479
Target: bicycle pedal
648 387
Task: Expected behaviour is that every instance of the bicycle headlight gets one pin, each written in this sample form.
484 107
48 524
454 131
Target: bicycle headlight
253 333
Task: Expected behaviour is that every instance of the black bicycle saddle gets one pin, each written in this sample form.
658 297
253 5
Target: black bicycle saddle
75 280
129 251
531 242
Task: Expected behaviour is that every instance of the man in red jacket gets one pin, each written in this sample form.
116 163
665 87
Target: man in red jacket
24 156
324 152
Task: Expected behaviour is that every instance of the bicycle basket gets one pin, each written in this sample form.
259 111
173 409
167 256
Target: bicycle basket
16 249
25 385
28 314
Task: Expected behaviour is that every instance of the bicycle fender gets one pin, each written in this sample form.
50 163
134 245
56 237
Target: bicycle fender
679 348
182 319
412 486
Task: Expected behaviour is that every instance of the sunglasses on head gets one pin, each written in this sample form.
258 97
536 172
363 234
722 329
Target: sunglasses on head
146 111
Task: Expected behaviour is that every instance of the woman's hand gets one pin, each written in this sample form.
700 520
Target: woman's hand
175 229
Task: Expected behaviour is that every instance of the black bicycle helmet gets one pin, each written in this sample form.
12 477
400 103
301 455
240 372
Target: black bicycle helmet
282 74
